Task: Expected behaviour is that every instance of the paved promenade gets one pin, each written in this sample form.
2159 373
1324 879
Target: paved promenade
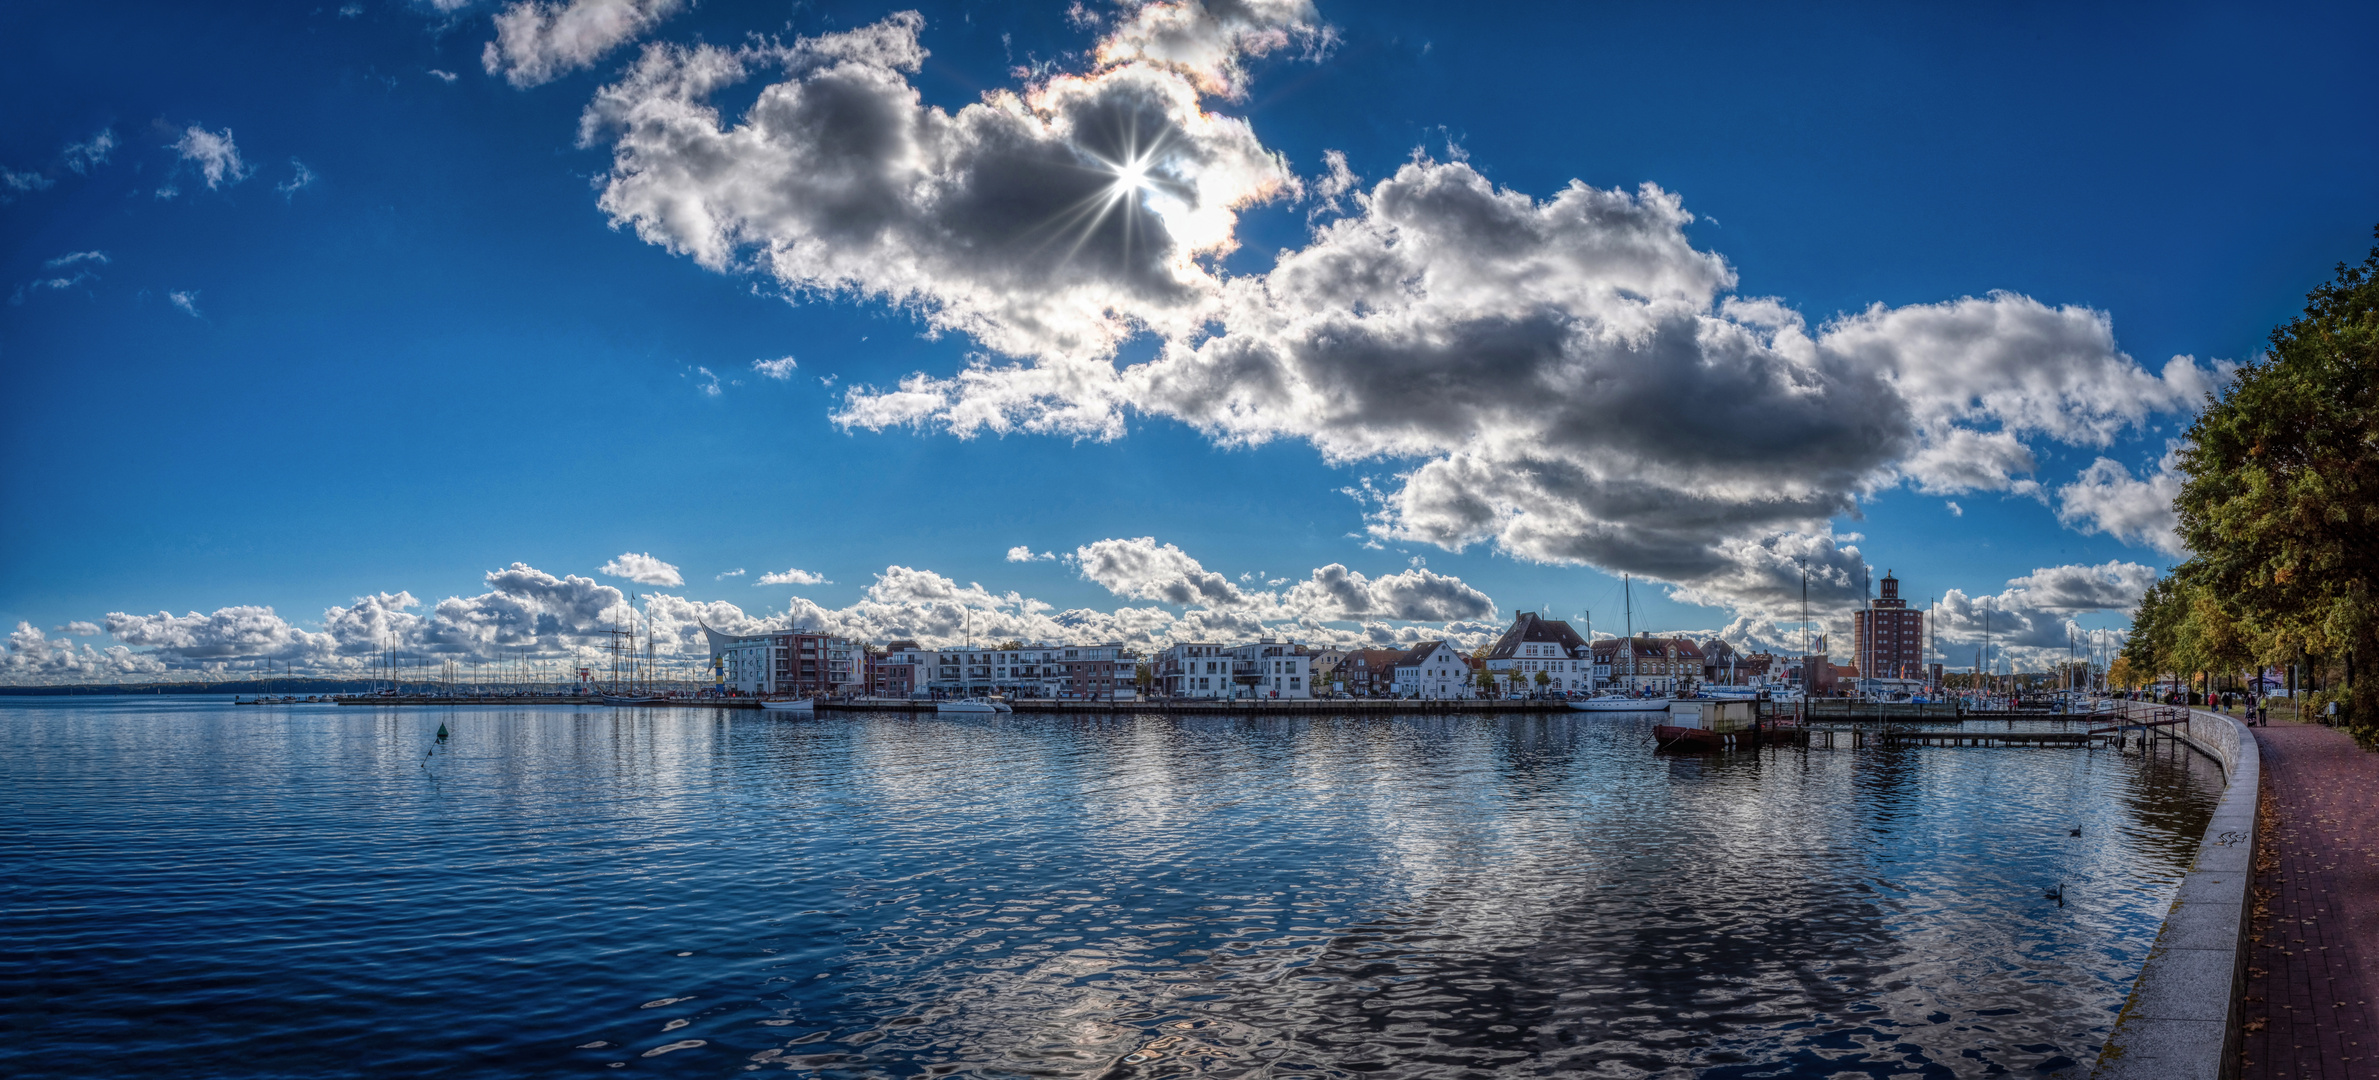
2313 956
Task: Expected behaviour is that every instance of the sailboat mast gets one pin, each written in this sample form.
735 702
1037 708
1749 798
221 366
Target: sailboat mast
1628 599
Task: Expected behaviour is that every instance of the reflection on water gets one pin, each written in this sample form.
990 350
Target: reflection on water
214 890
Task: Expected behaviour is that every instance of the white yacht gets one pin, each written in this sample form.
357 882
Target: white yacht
968 705
789 705
1618 703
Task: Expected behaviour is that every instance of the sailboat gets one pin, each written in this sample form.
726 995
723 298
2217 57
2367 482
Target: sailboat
1607 702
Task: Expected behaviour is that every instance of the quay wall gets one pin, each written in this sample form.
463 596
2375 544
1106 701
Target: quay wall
2182 1020
1188 706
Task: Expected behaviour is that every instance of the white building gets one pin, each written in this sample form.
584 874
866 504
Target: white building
1433 670
1264 669
1193 669
1039 670
796 661
1536 645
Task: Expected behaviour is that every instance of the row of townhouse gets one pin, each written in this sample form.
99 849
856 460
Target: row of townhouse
803 663
1431 669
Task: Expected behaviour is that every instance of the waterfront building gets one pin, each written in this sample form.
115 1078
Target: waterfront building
800 662
1193 669
1323 667
900 670
1098 671
1534 644
1265 669
1432 669
1655 665
1273 669
1368 672
1889 637
1037 670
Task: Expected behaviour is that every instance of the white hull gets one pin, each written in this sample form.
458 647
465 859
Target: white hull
1619 705
975 707
804 705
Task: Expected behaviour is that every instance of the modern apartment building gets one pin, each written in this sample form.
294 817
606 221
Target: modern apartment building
1039 670
798 662
1263 669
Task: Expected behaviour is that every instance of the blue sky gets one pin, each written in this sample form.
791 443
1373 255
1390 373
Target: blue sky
399 339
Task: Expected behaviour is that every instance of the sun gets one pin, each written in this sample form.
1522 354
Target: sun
1132 174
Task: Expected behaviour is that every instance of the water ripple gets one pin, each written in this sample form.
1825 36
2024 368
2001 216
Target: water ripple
238 891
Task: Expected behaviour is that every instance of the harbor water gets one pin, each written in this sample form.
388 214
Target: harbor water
197 889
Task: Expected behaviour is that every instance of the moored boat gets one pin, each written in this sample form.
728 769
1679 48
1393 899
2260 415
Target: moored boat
1716 725
789 705
965 705
1618 703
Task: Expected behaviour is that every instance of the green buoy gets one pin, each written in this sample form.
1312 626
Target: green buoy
441 733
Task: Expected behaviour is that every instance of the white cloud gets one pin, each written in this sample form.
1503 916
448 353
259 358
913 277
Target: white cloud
29 657
1207 43
1142 569
447 77
642 569
12 180
1566 379
77 258
780 368
91 153
794 576
1022 553
1954 509
737 572
2106 499
300 178
239 631
78 628
1054 221
217 156
1335 593
709 383
349 11
186 302
528 613
2033 619
537 42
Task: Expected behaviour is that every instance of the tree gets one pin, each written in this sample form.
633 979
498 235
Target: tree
1543 680
2121 673
1486 679
2279 500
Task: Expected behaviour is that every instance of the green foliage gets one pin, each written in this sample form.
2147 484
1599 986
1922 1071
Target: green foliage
2280 503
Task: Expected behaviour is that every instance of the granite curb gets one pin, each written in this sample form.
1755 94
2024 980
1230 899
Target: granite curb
2181 1022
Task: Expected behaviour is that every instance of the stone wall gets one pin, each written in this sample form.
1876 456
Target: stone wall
2182 1022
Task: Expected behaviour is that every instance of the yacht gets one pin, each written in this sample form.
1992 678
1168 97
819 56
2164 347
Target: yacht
1618 703
969 705
789 705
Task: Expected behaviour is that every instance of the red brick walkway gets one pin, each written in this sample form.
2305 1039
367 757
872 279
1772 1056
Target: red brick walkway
2314 940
